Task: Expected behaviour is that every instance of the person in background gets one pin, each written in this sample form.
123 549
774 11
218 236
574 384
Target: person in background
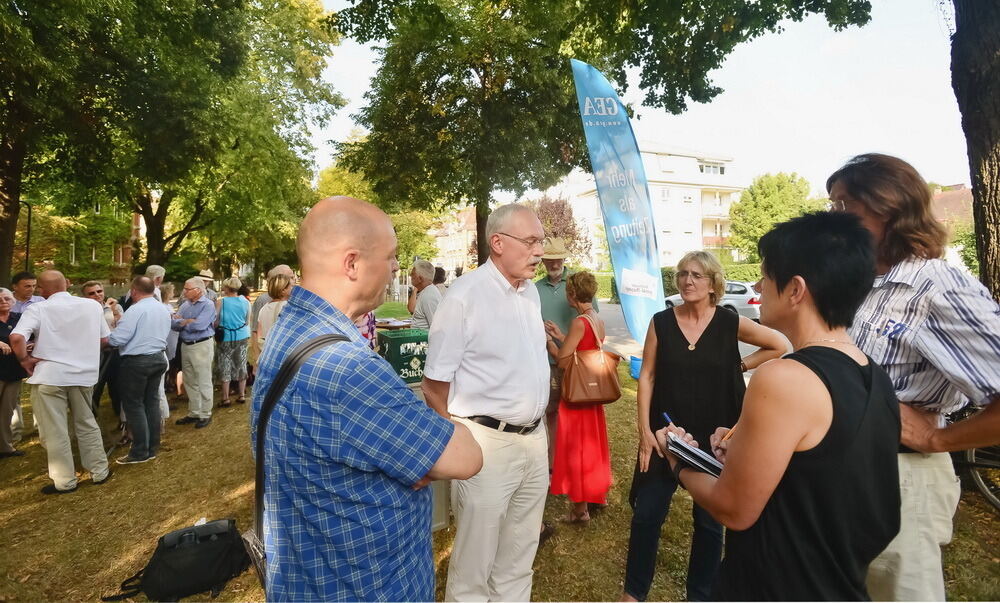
69 332
11 374
173 344
693 372
809 483
108 373
487 367
153 272
581 468
366 326
195 322
233 313
262 300
349 449
23 286
209 279
440 276
424 296
279 287
936 331
141 339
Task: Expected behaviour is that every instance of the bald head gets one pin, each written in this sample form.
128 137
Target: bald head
51 281
336 224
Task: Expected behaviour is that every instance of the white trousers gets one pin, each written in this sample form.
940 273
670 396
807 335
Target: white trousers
498 514
51 404
196 363
909 569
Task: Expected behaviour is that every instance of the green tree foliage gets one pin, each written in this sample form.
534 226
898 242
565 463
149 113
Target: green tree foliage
964 237
770 199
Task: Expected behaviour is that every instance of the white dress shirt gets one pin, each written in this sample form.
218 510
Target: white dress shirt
68 332
427 304
488 341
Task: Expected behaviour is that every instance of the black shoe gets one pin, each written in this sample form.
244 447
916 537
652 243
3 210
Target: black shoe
98 482
186 420
51 489
13 453
546 533
202 423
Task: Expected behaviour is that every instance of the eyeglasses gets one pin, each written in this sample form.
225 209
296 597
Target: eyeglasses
529 243
695 275
93 293
190 288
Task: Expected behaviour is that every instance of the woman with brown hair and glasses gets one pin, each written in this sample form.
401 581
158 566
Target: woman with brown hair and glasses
936 330
692 373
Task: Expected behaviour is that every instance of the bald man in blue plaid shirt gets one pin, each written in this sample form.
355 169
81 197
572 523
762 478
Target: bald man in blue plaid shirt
349 448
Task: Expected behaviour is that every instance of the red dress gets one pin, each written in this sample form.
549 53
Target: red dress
582 465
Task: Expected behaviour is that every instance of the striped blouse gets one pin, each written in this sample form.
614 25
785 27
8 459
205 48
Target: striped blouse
936 331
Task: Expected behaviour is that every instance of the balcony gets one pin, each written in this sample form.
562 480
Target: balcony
712 210
714 241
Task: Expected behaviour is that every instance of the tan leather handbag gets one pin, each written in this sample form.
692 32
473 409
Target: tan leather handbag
592 377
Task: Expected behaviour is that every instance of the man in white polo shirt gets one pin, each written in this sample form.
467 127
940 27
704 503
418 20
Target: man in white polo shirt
487 367
69 332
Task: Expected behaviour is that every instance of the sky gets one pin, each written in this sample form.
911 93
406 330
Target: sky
804 100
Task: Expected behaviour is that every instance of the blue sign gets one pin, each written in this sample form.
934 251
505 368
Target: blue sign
624 196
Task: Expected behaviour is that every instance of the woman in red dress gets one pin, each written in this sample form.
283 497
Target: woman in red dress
581 468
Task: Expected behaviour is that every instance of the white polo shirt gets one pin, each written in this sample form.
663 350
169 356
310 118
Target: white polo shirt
68 332
488 341
427 304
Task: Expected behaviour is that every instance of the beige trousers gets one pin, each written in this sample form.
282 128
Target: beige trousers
196 363
10 394
51 404
909 569
498 514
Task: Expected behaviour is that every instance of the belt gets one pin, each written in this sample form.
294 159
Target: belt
907 450
196 340
503 425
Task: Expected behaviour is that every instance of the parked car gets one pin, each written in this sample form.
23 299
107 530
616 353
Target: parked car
739 298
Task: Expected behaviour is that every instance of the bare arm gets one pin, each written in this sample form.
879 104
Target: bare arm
462 457
772 344
436 395
786 409
920 429
644 395
411 300
565 354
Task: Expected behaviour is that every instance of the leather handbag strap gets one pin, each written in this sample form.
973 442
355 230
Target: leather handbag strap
291 365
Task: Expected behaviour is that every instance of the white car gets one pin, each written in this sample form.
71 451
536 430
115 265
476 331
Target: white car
739 298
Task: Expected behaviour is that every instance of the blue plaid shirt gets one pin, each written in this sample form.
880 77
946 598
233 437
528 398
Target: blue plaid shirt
344 445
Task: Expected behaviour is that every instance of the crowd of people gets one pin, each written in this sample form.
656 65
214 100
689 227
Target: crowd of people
835 480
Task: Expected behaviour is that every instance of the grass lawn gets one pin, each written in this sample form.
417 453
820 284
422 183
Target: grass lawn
82 545
391 309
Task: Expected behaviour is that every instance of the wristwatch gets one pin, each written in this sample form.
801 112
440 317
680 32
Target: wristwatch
678 467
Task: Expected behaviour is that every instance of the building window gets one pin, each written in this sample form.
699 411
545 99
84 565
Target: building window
72 251
711 168
97 207
93 253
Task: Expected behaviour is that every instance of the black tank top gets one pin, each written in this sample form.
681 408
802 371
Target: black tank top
837 505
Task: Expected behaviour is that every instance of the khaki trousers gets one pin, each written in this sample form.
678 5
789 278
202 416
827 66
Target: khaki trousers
10 393
51 403
498 514
196 362
909 569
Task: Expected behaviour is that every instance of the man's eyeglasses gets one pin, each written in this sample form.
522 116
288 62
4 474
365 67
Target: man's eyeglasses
695 275
93 293
529 243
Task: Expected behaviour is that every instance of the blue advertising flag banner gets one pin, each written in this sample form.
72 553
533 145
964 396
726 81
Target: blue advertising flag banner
624 196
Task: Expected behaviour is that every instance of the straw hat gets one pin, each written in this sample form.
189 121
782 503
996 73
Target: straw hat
206 274
555 249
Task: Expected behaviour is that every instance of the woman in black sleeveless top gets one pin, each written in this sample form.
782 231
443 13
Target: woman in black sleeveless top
692 371
809 490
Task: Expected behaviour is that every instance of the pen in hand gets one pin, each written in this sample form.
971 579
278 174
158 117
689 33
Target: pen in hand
669 420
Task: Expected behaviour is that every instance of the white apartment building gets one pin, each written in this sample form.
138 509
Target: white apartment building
690 191
454 239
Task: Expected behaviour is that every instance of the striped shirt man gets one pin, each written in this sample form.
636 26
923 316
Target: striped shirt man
936 331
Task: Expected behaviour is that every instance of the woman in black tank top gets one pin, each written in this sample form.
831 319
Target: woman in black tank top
809 489
696 378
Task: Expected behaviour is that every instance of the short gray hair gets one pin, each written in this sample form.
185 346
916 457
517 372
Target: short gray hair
500 218
195 282
155 271
424 269
6 291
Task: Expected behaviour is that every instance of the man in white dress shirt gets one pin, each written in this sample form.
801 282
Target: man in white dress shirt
69 333
487 368
425 296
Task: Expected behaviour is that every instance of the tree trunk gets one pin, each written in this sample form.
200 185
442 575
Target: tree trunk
482 243
975 77
156 223
13 149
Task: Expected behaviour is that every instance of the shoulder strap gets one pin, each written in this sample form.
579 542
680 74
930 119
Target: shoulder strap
291 365
593 327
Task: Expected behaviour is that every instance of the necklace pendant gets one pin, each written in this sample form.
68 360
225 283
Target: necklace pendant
691 346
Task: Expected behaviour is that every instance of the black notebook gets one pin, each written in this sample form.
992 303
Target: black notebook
696 458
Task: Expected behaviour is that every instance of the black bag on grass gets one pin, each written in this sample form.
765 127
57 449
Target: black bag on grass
190 561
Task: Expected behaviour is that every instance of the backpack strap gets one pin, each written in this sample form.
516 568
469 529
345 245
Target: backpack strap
130 587
289 367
